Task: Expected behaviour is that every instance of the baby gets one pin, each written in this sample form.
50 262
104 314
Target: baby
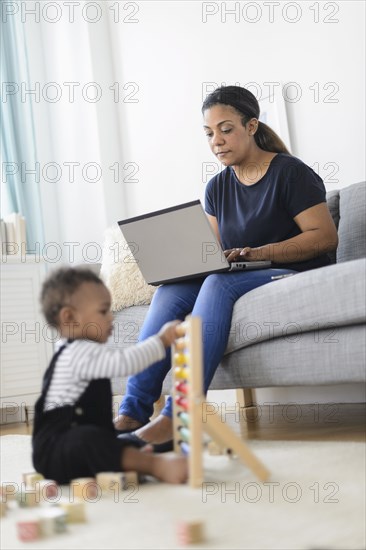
73 433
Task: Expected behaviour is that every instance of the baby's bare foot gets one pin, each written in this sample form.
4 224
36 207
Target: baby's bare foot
123 422
170 468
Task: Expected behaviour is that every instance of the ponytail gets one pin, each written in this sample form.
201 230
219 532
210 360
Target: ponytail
268 140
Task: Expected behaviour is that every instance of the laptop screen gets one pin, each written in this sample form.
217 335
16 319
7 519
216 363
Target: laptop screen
174 244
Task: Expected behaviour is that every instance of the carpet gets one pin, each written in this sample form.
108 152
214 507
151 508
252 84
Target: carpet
315 499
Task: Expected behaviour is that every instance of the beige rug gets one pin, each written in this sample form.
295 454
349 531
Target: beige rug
315 500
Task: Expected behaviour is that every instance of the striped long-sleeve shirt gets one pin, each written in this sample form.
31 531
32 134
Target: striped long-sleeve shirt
83 360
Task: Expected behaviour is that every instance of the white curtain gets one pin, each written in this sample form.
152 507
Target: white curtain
19 168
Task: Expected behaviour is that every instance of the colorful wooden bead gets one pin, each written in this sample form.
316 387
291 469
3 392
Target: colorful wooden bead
182 387
181 373
185 447
184 433
180 359
182 402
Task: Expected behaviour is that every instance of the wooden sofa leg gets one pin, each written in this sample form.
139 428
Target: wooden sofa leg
245 397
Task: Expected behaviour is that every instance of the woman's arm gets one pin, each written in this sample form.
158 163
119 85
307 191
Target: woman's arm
318 236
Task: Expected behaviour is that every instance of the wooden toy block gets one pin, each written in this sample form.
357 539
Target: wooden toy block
48 489
116 481
109 481
8 491
3 509
30 478
28 529
190 532
46 525
84 488
128 479
28 497
52 520
75 511
60 521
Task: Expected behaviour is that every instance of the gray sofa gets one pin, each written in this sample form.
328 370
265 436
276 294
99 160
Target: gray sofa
308 329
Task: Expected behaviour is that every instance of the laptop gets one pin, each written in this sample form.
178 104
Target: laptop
178 243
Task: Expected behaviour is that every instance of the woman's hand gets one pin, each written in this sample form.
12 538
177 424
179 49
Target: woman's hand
246 254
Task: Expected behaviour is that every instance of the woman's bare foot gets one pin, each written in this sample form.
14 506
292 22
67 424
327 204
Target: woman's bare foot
157 431
169 467
123 422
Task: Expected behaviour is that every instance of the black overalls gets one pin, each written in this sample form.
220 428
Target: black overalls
77 440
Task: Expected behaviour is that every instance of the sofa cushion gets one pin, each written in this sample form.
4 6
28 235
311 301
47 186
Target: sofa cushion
127 325
121 274
312 358
322 357
330 296
352 223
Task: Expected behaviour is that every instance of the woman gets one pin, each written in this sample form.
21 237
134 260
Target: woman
265 205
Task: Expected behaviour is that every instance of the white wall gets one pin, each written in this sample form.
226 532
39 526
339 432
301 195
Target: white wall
172 55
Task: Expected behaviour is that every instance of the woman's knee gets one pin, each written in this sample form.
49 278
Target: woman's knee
167 293
176 298
217 282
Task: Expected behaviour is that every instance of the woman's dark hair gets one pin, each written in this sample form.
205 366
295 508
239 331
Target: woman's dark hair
246 104
58 288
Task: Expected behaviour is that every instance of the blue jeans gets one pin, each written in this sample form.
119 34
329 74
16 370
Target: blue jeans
212 299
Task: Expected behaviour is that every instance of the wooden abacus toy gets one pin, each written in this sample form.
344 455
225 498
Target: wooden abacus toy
188 401
188 396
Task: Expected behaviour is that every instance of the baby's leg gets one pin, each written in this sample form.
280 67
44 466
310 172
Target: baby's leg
165 467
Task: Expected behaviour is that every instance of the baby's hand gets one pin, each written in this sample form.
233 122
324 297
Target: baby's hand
168 333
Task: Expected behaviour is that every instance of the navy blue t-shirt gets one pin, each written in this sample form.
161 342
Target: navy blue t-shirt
262 213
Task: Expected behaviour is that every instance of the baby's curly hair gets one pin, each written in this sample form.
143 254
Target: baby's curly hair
59 286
